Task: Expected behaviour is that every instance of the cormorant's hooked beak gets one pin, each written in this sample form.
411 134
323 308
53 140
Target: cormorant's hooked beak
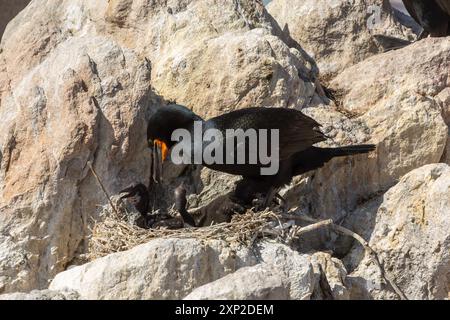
159 154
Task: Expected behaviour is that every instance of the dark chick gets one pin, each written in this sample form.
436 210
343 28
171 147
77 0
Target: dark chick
159 133
180 206
138 196
432 15
296 153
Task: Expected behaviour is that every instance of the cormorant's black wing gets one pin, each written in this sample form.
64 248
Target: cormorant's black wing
297 131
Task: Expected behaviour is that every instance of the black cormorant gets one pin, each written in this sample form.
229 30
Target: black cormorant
296 153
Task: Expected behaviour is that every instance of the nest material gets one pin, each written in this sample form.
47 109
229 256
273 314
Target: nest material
115 234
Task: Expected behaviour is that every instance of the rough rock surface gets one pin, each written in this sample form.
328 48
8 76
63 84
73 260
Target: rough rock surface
410 232
293 276
171 269
161 269
92 109
77 84
338 33
281 274
41 295
419 70
443 99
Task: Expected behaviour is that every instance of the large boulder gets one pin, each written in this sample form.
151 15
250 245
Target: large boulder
161 269
212 56
8 10
174 269
419 70
80 86
409 229
249 283
300 277
338 33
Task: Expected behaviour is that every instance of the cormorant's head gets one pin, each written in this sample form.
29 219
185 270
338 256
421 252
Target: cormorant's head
159 132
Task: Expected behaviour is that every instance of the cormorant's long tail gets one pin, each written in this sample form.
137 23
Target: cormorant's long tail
348 151
315 157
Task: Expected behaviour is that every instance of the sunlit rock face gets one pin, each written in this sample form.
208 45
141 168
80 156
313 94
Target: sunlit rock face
338 33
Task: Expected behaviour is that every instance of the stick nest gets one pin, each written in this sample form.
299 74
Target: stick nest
114 233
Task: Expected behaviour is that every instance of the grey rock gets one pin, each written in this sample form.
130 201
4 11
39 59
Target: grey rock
40 295
410 232
78 82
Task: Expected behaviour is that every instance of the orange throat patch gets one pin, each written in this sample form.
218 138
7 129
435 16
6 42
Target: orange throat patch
163 147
